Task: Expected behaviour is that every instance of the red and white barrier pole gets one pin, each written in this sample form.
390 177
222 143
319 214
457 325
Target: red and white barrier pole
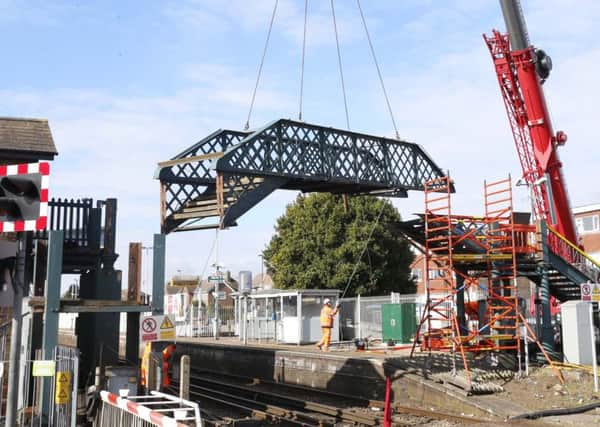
387 412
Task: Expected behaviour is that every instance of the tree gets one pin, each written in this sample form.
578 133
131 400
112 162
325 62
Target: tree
319 240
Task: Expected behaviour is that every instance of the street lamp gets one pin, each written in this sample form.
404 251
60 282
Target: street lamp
262 274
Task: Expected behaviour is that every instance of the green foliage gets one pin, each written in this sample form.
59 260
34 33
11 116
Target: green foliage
317 243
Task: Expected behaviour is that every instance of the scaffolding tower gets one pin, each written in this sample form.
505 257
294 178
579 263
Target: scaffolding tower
466 254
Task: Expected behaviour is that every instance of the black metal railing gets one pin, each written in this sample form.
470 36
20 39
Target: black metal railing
72 216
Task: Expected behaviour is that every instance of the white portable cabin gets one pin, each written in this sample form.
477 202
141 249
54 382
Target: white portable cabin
289 316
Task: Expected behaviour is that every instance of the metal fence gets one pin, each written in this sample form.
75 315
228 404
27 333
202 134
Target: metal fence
42 400
201 321
156 409
63 410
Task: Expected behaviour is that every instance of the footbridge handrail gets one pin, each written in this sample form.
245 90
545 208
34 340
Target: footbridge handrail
570 252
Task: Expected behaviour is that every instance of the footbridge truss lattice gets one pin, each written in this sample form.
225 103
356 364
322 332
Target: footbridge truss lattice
218 179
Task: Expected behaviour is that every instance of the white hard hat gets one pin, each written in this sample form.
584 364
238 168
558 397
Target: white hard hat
326 301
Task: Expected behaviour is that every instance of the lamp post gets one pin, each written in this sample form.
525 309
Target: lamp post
262 274
216 299
145 293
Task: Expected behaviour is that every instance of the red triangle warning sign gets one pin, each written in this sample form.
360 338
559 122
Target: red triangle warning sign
166 323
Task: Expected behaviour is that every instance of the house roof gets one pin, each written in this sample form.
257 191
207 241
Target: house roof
586 209
27 139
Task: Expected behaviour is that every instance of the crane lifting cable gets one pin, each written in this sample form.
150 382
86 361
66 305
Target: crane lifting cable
260 67
364 248
343 87
341 68
372 49
339 59
302 61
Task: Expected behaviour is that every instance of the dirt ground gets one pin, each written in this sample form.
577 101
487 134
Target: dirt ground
543 390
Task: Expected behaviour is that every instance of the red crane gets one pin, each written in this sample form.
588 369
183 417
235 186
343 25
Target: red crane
521 70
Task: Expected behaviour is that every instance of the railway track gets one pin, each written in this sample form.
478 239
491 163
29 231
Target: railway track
285 389
275 407
295 405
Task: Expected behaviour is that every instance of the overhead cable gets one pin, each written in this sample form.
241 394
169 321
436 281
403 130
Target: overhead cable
303 56
364 248
339 55
387 100
262 61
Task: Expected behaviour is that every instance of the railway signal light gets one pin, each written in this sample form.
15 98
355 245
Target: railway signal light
24 197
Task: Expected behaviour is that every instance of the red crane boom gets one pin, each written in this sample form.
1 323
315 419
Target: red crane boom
521 70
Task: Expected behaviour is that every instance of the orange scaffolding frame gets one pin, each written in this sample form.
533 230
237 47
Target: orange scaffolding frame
496 241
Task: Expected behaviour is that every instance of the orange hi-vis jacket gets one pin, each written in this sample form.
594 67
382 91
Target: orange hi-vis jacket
166 355
327 314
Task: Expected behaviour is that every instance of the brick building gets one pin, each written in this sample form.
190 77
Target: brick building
587 221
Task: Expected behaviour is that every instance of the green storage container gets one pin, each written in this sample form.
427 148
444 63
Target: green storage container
399 322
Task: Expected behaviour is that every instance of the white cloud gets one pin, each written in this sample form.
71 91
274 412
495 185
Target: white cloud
204 17
441 82
109 145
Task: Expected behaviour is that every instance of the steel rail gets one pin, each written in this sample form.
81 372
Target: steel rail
298 404
360 401
271 412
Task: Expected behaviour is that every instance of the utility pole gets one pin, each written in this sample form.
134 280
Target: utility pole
16 330
216 294
218 282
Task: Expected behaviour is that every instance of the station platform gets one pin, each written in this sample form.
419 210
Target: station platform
345 370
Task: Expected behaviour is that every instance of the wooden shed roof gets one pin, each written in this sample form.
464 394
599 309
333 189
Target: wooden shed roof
27 139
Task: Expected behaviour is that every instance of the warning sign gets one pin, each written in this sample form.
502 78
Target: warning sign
596 292
154 328
590 292
149 329
166 323
167 329
63 387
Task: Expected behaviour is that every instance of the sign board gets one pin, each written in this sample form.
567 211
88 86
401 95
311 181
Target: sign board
63 388
215 279
221 295
590 292
153 328
43 368
167 329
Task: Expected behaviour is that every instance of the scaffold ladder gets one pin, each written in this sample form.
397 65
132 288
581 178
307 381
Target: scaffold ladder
503 299
439 313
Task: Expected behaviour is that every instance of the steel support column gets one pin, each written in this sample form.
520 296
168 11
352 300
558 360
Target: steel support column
158 274
133 296
52 306
16 330
547 330
460 304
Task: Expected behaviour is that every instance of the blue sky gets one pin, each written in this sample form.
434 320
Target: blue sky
127 84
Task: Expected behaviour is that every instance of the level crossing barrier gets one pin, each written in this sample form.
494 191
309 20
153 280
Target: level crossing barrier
146 411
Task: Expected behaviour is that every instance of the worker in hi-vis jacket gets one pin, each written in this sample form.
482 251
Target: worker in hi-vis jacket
327 315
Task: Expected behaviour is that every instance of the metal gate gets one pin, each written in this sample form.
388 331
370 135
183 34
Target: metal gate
63 407
55 395
166 411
